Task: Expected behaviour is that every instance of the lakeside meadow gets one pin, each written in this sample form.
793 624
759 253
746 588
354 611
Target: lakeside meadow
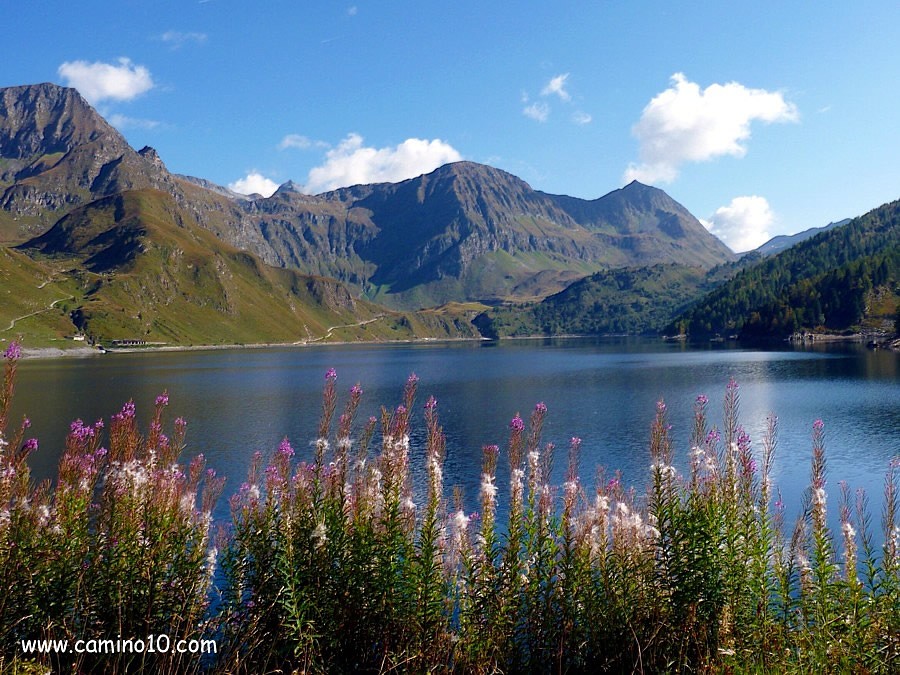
363 559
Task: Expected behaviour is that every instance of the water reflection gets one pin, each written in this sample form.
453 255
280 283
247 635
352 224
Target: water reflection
605 392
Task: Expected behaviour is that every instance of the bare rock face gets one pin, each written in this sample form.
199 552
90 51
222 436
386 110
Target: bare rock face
464 232
57 152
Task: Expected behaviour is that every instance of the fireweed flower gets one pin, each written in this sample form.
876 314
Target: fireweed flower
331 374
665 470
517 424
696 454
126 413
13 351
488 489
285 448
570 488
320 538
162 399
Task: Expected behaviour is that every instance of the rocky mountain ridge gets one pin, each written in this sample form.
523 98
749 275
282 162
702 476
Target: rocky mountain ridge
464 232
57 153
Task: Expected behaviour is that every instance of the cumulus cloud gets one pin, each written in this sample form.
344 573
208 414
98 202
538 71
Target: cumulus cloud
557 86
254 183
121 81
300 142
744 224
352 163
538 111
685 123
177 39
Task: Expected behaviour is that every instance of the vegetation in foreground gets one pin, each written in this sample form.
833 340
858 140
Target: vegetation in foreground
340 565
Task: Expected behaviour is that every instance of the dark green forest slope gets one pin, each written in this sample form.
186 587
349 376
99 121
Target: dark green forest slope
830 282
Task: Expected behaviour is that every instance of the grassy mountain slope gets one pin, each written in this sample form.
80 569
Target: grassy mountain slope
822 283
34 301
630 301
145 271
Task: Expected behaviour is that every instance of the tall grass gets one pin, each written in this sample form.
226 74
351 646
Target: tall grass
339 565
119 546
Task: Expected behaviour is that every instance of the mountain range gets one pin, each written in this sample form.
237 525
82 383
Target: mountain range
100 238
464 232
782 242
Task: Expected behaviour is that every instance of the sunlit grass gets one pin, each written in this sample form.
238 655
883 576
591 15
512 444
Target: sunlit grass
338 565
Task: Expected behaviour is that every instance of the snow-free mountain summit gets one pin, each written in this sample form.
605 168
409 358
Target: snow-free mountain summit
464 232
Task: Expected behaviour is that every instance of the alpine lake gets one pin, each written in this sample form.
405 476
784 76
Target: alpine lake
604 391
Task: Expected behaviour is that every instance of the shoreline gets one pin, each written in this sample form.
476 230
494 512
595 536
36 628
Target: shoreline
40 353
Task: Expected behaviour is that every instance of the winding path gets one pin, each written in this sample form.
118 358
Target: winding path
12 324
334 328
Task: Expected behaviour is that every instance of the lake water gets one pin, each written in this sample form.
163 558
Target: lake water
603 391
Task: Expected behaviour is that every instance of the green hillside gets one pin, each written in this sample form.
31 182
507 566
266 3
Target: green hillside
630 300
34 301
140 269
836 281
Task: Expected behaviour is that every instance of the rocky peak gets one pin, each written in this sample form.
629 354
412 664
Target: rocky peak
59 153
152 156
46 119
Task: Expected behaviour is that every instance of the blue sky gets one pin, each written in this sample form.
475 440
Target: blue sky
761 118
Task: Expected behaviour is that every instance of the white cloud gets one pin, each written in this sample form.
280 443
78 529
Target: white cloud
353 10
352 163
121 122
687 124
557 85
744 224
300 142
254 183
106 81
538 111
581 117
177 39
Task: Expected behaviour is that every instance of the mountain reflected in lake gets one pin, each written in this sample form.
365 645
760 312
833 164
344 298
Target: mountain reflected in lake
602 391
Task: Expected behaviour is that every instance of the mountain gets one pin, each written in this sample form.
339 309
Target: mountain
57 153
622 301
782 242
464 232
837 280
119 252
140 270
